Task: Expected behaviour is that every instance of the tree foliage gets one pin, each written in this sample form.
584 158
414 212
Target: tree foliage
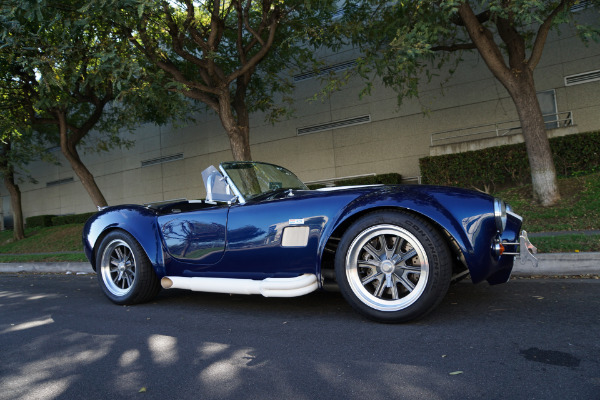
19 145
233 56
405 42
75 76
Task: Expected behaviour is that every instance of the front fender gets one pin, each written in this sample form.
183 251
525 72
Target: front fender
467 216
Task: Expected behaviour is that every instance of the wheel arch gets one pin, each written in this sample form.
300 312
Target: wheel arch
327 260
138 222
146 248
124 271
100 239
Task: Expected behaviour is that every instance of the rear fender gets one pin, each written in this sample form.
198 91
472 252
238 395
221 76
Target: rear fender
138 221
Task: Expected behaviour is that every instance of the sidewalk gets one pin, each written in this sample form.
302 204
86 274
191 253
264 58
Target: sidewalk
549 264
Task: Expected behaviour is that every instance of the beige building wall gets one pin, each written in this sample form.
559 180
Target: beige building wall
393 141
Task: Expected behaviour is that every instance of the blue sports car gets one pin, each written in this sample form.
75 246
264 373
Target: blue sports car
391 250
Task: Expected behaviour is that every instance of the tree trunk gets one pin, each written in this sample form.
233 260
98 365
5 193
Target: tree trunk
543 173
239 140
17 210
69 150
13 190
238 131
85 176
237 127
517 78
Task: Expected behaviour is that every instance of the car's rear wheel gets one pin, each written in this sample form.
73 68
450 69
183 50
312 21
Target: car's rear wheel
393 266
125 274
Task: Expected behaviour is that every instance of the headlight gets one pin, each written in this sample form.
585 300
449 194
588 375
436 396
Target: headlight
500 214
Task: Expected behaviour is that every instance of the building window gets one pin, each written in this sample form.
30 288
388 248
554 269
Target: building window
547 100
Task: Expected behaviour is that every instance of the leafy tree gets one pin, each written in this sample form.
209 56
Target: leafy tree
230 55
18 146
405 41
76 76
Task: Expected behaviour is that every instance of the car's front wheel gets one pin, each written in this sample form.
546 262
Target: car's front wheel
124 272
393 266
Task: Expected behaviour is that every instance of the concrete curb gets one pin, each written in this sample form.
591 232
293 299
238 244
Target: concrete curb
55 267
561 264
549 264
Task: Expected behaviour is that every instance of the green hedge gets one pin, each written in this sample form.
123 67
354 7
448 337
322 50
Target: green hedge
39 221
55 220
71 219
497 167
576 154
385 179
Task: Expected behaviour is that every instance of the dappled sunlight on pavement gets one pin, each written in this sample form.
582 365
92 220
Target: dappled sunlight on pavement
61 339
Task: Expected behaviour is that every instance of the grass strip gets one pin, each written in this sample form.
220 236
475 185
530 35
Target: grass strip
567 243
21 258
578 209
44 240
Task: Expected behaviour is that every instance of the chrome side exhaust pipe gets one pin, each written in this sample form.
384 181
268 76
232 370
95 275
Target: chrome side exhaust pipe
269 287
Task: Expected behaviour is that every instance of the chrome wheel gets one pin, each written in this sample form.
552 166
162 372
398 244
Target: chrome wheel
387 267
118 267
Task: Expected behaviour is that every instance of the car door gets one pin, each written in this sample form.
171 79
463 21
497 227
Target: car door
277 237
195 238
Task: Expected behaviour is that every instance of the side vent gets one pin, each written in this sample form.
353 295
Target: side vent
339 13
334 125
325 70
162 160
581 5
59 182
585 77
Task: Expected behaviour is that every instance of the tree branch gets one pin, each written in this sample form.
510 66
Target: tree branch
92 120
484 40
190 26
246 16
482 17
264 50
200 96
240 36
515 44
162 62
216 26
178 37
542 35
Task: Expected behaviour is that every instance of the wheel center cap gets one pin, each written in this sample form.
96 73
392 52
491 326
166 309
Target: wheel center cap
121 266
387 267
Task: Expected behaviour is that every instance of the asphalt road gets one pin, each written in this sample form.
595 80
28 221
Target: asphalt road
528 339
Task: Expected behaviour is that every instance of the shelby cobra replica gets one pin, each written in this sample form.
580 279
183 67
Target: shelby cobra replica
391 250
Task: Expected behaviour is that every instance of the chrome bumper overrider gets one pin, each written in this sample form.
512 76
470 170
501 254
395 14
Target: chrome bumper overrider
526 250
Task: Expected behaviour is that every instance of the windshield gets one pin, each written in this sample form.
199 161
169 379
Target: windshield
253 179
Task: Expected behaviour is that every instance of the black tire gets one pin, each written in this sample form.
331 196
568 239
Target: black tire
393 266
124 271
